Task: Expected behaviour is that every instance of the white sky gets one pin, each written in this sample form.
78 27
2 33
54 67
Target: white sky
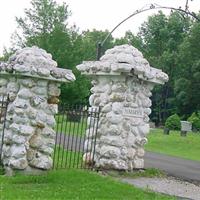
88 14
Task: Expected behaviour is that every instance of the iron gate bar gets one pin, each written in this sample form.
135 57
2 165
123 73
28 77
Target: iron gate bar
76 140
60 139
84 136
84 140
148 7
91 133
96 133
4 105
62 151
68 143
72 123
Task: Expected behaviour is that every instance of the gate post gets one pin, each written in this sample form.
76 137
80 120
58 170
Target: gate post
122 82
32 80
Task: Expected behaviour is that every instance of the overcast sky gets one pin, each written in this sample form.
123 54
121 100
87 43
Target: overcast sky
88 14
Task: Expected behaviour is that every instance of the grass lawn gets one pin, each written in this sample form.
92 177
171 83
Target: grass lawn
185 147
67 159
70 184
66 126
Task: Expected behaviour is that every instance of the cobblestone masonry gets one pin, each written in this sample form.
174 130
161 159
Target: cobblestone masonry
122 84
32 80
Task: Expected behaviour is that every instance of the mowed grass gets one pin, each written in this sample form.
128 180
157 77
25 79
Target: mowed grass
71 184
67 159
185 147
64 125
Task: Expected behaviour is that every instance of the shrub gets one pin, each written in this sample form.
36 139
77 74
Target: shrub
195 120
173 122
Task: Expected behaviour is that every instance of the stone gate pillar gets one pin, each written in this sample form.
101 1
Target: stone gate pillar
122 82
32 80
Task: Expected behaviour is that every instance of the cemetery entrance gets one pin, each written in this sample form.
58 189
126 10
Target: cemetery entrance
3 110
75 125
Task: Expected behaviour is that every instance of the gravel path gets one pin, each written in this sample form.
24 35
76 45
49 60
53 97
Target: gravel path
169 185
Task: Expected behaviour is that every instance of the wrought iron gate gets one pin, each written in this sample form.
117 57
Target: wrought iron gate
71 128
4 100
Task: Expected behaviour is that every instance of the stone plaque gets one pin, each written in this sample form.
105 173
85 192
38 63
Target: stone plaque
133 112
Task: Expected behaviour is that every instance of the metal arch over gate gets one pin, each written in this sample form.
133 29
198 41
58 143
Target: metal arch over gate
148 7
72 132
4 100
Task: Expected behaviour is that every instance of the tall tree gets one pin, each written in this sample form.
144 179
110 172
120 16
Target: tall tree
45 25
187 85
161 36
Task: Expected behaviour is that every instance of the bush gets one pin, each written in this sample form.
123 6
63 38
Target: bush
173 122
195 120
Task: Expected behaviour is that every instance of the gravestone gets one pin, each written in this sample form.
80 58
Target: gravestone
32 80
122 82
185 127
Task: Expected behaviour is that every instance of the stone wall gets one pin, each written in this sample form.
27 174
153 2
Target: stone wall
32 80
122 84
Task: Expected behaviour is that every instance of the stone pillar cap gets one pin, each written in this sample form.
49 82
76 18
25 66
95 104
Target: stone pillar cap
35 62
124 59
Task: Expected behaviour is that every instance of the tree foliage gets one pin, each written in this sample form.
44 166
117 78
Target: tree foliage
161 36
173 122
170 43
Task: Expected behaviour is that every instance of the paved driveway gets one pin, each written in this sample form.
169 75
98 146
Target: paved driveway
185 169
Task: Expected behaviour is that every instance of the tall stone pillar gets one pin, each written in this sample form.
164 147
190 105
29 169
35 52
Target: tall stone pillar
122 82
32 80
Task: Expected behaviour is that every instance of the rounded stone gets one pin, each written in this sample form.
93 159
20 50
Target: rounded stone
138 163
140 152
21 103
47 132
107 108
26 130
20 163
42 83
109 152
18 119
3 90
50 109
117 97
39 90
144 129
36 141
13 87
37 100
117 108
131 153
53 90
51 121
31 113
43 72
112 141
113 118
28 82
113 130
3 81
25 93
18 139
18 151
41 161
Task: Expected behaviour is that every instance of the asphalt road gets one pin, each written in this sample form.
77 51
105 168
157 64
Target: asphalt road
181 168
178 167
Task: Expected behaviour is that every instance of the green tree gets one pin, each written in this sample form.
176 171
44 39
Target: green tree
45 25
189 65
161 37
173 122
